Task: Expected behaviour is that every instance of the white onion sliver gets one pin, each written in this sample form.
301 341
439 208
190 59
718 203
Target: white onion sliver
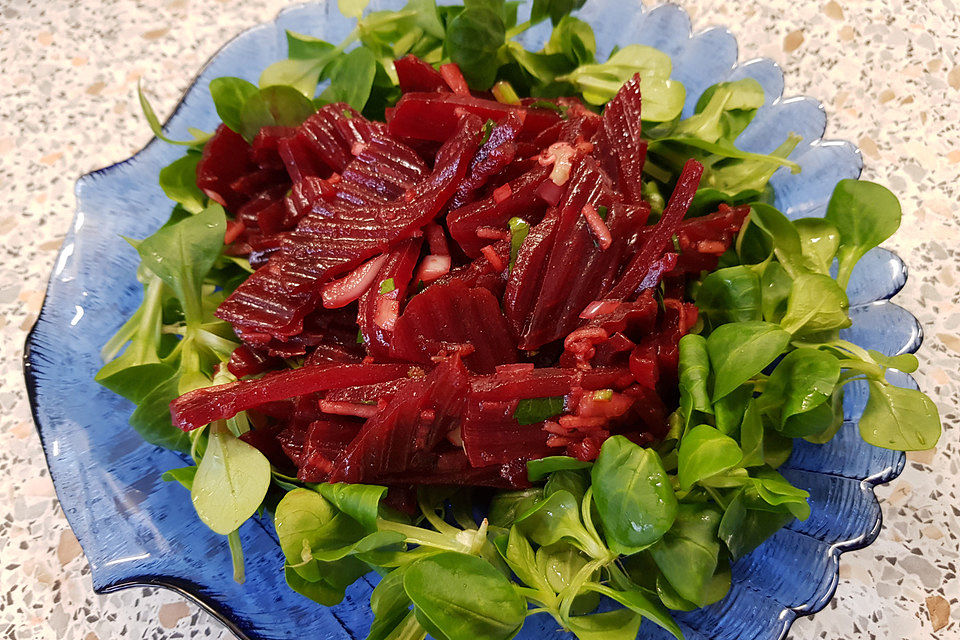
342 292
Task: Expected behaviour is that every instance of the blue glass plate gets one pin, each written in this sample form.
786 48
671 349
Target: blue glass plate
138 530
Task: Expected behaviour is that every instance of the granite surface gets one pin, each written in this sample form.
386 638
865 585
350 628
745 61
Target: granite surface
888 74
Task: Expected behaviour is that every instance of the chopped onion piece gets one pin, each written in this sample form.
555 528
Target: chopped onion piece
216 197
599 308
514 368
385 315
597 226
432 267
502 192
349 409
491 255
342 292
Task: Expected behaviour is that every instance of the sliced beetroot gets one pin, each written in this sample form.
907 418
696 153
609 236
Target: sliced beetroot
401 231
416 75
266 146
481 272
404 434
468 223
275 299
621 138
245 361
515 384
703 240
380 304
656 241
494 155
434 116
378 393
325 441
453 468
452 317
203 406
226 158
491 435
548 289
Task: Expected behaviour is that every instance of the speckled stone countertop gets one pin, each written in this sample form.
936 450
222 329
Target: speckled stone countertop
888 73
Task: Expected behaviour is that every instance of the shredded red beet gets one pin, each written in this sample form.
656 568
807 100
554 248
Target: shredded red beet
439 346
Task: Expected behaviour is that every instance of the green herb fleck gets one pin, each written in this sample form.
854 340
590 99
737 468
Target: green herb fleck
534 410
519 228
486 131
387 286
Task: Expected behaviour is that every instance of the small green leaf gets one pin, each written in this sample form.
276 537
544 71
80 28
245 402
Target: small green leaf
775 286
199 137
730 408
786 239
519 555
898 418
536 410
135 382
553 9
574 481
803 380
636 601
390 604
472 41
182 254
179 181
303 47
705 452
906 362
539 469
865 214
302 75
320 591
730 295
554 518
619 624
519 229
229 97
741 350
819 241
464 597
359 501
351 78
751 436
633 495
386 286
694 373
231 482
743 529
183 475
151 418
507 506
352 8
816 304
687 554
574 39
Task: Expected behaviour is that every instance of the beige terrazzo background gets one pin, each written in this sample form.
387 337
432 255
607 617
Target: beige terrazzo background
888 74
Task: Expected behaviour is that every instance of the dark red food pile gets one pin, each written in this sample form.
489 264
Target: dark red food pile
401 232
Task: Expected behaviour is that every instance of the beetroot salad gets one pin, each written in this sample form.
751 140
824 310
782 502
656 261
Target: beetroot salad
510 328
